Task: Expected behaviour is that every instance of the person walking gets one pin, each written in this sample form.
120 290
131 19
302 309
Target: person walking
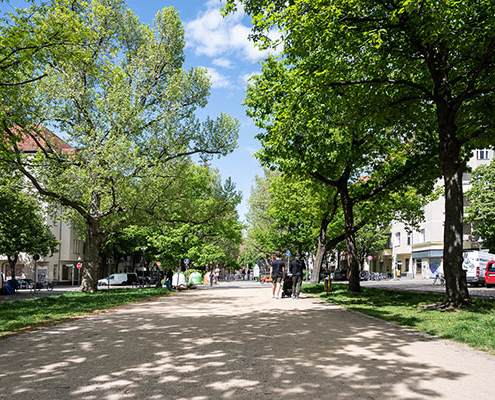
296 269
277 271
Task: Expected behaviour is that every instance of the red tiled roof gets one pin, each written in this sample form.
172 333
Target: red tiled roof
41 137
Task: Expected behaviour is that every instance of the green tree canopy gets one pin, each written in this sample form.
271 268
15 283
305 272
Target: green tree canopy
415 69
191 217
481 208
127 107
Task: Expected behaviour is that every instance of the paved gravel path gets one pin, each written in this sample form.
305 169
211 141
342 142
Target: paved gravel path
238 343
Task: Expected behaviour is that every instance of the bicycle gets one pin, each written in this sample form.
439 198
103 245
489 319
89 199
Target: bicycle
439 279
37 286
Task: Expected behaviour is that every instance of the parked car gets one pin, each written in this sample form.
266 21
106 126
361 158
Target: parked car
364 275
132 279
490 274
118 279
340 275
475 266
24 283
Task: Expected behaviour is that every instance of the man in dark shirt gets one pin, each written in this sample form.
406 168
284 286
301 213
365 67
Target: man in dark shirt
296 269
277 274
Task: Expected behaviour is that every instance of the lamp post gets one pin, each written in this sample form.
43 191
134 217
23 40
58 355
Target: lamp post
143 249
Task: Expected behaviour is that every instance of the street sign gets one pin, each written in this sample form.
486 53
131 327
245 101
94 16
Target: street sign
186 261
79 265
288 253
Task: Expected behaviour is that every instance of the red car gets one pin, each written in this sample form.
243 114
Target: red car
490 274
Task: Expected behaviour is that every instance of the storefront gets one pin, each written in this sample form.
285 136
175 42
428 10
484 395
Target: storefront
427 263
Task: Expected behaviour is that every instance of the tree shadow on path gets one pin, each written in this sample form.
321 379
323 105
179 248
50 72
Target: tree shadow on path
203 345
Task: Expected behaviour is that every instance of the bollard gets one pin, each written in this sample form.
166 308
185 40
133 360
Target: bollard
327 284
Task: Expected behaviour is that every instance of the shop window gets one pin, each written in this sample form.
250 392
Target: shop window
407 265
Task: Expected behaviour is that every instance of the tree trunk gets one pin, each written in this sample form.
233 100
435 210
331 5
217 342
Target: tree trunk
320 251
350 238
320 255
456 286
92 261
12 262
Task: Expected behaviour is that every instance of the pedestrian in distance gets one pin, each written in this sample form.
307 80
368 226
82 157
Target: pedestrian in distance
217 274
277 271
211 276
297 266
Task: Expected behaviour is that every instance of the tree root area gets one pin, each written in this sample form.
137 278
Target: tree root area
448 305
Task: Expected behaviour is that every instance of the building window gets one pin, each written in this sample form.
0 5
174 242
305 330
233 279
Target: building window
397 239
419 267
482 154
409 238
422 237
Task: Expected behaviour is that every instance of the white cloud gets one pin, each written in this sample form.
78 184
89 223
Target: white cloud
217 79
251 150
215 36
223 62
245 77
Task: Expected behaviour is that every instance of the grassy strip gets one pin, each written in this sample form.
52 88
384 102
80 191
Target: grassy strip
474 326
25 314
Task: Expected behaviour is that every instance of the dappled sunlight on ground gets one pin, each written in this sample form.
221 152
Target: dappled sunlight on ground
232 344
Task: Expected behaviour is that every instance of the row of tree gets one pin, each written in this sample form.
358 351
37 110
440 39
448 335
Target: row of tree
286 212
117 91
398 92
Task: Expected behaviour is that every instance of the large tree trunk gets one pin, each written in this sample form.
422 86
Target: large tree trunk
456 286
350 238
321 250
92 261
452 169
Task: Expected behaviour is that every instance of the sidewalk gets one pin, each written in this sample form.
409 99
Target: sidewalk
238 343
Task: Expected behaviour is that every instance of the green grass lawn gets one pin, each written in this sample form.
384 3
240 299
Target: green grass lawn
22 314
474 326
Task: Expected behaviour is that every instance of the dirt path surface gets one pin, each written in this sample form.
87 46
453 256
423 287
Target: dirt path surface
238 343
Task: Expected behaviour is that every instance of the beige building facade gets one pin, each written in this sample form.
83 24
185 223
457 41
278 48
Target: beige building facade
61 267
418 254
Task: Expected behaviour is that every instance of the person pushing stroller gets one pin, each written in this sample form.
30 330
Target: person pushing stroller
296 269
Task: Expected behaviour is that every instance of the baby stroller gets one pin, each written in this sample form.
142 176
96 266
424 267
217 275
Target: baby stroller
287 286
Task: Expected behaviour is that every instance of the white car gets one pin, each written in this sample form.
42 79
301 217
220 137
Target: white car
115 279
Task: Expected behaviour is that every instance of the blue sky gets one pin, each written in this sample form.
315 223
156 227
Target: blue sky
220 45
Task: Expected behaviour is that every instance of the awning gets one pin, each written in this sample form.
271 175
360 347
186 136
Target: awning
427 254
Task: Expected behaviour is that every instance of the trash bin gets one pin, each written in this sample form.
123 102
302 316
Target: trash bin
195 278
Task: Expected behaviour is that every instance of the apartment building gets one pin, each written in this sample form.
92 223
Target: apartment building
61 267
418 253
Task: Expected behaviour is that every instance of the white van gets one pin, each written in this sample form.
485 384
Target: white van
475 266
115 279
